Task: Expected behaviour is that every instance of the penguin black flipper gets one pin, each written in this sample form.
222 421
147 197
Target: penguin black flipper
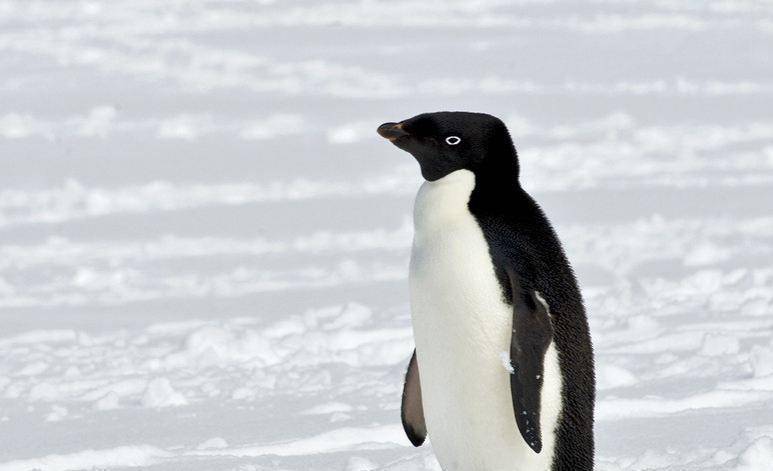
531 336
412 411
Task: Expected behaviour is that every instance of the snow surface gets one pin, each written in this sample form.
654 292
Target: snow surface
204 244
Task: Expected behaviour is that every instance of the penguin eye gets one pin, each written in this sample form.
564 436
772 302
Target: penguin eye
453 140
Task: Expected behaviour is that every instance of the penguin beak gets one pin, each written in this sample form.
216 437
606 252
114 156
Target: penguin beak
391 131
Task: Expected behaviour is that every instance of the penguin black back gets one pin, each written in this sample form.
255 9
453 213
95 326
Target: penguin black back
523 237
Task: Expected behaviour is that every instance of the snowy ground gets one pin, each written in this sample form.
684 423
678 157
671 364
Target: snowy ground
203 243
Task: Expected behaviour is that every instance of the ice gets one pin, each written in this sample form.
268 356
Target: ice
357 463
57 413
212 443
757 456
123 456
204 244
610 376
329 408
336 440
109 401
161 394
714 345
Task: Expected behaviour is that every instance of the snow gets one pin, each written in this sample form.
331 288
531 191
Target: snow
124 456
204 243
160 393
507 363
757 456
212 443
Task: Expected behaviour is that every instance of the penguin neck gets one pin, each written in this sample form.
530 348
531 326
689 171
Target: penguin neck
444 200
498 168
497 188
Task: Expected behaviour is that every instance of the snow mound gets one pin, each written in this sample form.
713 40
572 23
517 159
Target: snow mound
758 456
160 393
123 456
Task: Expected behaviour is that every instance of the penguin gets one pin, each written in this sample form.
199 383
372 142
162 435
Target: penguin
502 376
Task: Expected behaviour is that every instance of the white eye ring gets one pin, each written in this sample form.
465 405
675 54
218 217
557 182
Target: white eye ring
453 140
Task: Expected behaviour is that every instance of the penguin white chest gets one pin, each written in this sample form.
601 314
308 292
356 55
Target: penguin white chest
462 327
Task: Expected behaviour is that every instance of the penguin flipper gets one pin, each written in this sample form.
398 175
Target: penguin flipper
531 336
412 411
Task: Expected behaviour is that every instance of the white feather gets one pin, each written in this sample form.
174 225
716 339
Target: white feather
461 327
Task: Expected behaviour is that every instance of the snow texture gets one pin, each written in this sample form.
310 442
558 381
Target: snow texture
204 243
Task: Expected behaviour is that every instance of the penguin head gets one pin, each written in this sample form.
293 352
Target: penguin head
447 141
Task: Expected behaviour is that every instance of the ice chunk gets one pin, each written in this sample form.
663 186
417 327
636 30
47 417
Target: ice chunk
758 456
215 443
107 402
160 393
715 344
612 376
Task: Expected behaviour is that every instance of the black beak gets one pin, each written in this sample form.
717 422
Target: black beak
391 131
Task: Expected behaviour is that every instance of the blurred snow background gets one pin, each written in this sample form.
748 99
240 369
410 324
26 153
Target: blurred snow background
204 244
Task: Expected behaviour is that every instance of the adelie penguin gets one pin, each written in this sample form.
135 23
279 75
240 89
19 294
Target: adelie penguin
502 376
